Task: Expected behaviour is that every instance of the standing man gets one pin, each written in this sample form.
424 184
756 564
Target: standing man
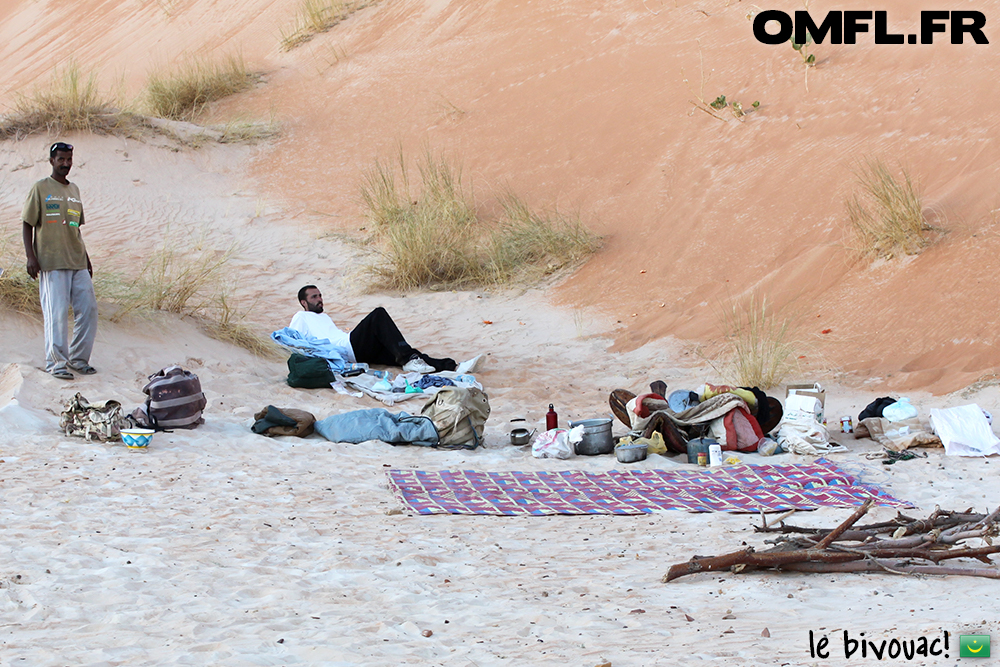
52 217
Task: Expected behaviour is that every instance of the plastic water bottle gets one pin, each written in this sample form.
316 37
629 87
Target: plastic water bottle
769 448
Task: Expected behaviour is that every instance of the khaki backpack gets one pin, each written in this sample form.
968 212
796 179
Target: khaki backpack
102 421
459 415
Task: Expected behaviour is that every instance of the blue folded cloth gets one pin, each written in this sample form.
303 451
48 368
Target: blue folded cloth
336 356
433 381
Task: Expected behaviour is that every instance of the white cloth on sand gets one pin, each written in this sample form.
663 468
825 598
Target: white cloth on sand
366 383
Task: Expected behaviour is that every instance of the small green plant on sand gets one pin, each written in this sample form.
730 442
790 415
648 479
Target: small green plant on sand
808 59
182 93
735 107
760 347
886 212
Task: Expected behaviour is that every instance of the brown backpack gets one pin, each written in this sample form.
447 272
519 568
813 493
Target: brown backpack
175 400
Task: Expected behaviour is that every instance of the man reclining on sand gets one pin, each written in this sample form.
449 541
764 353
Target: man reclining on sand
375 340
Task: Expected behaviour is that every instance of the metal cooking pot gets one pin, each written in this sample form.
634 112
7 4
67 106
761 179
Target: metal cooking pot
596 437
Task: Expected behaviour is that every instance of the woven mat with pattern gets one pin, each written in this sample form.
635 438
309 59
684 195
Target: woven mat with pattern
740 488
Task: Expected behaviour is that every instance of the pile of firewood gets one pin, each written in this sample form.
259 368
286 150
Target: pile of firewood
901 546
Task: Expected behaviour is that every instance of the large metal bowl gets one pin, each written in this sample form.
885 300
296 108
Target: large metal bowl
631 453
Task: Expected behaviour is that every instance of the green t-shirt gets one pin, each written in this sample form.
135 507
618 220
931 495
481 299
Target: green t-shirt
56 213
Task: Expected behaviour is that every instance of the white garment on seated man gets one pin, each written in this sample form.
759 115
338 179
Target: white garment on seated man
319 325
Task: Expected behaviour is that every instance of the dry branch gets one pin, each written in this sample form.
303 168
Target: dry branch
879 566
901 546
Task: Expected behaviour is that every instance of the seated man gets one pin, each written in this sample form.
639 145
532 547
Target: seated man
375 340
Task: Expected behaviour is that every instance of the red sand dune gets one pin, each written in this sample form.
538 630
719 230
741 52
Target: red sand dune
588 105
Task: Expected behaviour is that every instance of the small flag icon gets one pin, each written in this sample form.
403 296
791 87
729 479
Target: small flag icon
974 646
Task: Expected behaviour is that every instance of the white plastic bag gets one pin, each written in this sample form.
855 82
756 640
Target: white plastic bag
964 431
552 444
801 433
899 411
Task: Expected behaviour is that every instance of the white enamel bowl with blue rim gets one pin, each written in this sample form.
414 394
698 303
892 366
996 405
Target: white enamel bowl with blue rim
137 438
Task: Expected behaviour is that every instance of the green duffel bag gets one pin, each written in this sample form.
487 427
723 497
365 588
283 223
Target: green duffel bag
309 372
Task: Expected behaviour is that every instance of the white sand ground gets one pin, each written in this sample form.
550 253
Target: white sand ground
221 547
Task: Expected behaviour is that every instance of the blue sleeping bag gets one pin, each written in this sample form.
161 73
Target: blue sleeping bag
379 424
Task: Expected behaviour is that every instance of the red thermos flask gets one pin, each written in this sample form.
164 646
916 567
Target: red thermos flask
551 419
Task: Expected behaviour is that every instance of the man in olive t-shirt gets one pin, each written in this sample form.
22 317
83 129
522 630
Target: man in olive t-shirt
52 216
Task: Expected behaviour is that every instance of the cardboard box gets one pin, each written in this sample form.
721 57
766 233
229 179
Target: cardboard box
815 391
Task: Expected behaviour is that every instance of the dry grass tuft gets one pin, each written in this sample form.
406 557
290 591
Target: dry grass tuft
246 131
226 321
438 238
529 244
193 281
318 16
185 281
18 292
425 241
71 101
182 94
176 280
760 346
887 214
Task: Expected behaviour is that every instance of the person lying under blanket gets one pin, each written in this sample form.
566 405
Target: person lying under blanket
374 340
685 414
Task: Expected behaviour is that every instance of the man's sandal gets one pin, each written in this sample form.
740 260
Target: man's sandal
83 369
62 374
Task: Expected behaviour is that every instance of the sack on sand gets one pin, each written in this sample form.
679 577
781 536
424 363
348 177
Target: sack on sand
459 415
272 421
553 444
175 400
965 431
102 421
309 372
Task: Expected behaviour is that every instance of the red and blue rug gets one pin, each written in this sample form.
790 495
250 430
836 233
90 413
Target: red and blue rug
741 488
